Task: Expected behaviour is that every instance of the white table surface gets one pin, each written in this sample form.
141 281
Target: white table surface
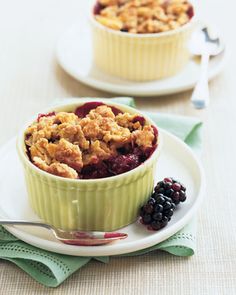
30 80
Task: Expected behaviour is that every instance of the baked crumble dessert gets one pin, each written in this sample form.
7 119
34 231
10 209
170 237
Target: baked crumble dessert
95 141
143 16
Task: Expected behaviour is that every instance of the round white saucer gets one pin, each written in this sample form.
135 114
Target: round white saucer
176 160
74 54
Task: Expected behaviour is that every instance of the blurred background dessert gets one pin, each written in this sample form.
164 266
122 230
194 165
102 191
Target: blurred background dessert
142 40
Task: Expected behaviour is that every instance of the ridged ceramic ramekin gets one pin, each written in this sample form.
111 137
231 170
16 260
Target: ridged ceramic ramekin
96 204
141 57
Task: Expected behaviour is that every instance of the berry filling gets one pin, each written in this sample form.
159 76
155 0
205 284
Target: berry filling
45 115
190 12
139 119
116 165
98 8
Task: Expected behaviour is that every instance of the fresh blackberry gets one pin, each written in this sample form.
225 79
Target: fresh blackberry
157 212
172 189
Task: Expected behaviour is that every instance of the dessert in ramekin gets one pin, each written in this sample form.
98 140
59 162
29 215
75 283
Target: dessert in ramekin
142 40
89 165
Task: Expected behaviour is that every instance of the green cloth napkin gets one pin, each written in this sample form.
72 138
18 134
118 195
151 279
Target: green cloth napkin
51 269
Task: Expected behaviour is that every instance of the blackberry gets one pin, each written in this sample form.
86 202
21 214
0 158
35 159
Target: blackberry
172 189
157 212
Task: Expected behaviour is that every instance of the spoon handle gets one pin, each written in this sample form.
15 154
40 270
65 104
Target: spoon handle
22 222
200 97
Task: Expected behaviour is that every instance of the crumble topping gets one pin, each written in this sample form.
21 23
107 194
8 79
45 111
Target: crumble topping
143 16
67 145
144 137
58 169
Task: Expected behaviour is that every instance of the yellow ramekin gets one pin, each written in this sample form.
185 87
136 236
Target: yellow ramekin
97 204
141 57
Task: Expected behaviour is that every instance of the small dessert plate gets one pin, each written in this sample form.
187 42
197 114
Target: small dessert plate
74 54
176 160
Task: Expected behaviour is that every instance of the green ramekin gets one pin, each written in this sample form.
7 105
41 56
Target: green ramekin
103 204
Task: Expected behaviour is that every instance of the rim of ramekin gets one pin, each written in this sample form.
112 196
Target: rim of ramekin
74 101
192 22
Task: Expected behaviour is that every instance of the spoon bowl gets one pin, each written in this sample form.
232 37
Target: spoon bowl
206 41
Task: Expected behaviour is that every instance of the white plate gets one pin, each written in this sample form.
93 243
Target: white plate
74 54
176 160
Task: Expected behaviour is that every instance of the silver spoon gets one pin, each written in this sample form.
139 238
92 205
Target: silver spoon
206 45
78 238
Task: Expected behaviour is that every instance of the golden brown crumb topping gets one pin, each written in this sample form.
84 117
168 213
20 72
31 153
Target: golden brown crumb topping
63 143
143 16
